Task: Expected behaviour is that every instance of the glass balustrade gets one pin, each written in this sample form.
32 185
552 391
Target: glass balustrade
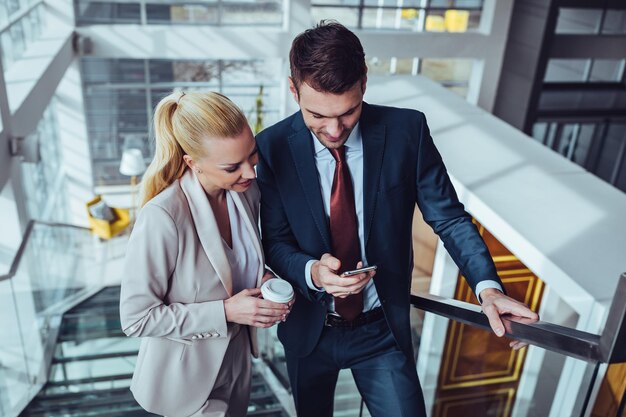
63 352
55 267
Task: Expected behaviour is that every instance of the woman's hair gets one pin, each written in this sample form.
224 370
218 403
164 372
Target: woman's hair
182 122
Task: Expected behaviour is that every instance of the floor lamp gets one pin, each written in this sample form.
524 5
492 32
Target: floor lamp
132 165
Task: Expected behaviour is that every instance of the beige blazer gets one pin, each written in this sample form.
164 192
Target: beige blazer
175 280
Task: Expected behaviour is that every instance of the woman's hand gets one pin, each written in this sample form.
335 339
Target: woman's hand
247 308
268 275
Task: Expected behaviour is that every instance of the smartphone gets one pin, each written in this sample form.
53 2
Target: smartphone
359 271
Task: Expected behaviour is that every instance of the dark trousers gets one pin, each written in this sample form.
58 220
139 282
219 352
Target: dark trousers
386 378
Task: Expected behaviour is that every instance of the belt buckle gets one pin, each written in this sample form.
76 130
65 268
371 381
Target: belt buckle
329 315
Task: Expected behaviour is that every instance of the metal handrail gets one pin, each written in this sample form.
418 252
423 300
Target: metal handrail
613 338
609 347
25 239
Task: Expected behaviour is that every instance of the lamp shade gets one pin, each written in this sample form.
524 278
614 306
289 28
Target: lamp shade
132 163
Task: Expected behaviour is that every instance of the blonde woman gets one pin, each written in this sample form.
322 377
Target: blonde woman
194 262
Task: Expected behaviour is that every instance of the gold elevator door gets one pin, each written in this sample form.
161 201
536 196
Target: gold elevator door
479 372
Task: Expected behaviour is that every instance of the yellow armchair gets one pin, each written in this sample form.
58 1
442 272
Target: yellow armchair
107 229
435 23
456 20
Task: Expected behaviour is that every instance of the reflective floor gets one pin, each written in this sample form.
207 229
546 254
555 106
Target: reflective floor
93 363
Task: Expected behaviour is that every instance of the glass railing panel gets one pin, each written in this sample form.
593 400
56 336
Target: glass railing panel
93 364
56 266
15 375
58 262
92 353
467 371
53 268
273 353
347 397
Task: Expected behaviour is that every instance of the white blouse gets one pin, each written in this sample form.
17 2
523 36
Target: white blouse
243 259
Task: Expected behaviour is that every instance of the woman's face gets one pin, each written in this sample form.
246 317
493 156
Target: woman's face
229 163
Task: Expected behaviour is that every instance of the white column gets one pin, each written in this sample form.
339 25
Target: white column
495 21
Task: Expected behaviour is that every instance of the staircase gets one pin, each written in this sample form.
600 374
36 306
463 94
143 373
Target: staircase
93 363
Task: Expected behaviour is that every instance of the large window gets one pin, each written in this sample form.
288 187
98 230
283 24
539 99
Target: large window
21 23
180 12
581 107
585 70
120 95
598 146
409 15
591 21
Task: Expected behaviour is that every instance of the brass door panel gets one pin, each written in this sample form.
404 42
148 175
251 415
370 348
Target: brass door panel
611 392
497 402
477 367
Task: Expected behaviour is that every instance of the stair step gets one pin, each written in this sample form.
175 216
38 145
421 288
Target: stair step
78 381
82 358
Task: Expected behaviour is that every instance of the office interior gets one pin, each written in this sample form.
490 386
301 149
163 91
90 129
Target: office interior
525 99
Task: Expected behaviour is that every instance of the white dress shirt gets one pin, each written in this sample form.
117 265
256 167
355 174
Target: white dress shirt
325 164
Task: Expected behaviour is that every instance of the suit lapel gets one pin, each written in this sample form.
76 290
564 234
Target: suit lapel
206 227
248 219
301 146
373 151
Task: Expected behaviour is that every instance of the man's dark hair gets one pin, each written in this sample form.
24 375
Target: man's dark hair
328 57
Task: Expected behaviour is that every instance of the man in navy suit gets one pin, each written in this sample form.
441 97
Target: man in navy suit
339 182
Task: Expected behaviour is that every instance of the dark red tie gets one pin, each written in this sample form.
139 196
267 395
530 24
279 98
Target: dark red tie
344 231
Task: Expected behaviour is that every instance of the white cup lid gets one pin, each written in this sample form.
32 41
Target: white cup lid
277 290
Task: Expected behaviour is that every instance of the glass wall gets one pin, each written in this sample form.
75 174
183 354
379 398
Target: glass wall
120 95
180 12
21 23
408 15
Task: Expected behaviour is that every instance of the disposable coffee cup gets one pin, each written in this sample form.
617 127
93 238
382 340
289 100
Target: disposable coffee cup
277 290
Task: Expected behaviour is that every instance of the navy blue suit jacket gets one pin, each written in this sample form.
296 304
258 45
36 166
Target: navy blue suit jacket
401 167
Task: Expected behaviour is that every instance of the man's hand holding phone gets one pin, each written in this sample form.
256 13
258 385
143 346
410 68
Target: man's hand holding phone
358 271
324 275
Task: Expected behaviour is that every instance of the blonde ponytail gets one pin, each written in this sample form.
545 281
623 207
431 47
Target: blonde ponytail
182 121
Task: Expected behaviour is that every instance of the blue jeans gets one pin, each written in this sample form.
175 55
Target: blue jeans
386 378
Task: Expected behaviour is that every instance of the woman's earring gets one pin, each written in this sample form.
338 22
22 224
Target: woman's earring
198 171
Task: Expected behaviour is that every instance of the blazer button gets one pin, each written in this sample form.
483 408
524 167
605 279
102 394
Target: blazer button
215 334
206 334
194 337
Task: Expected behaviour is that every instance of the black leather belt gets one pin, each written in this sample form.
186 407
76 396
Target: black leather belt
334 320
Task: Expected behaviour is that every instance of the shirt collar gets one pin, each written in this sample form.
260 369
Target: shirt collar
354 141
